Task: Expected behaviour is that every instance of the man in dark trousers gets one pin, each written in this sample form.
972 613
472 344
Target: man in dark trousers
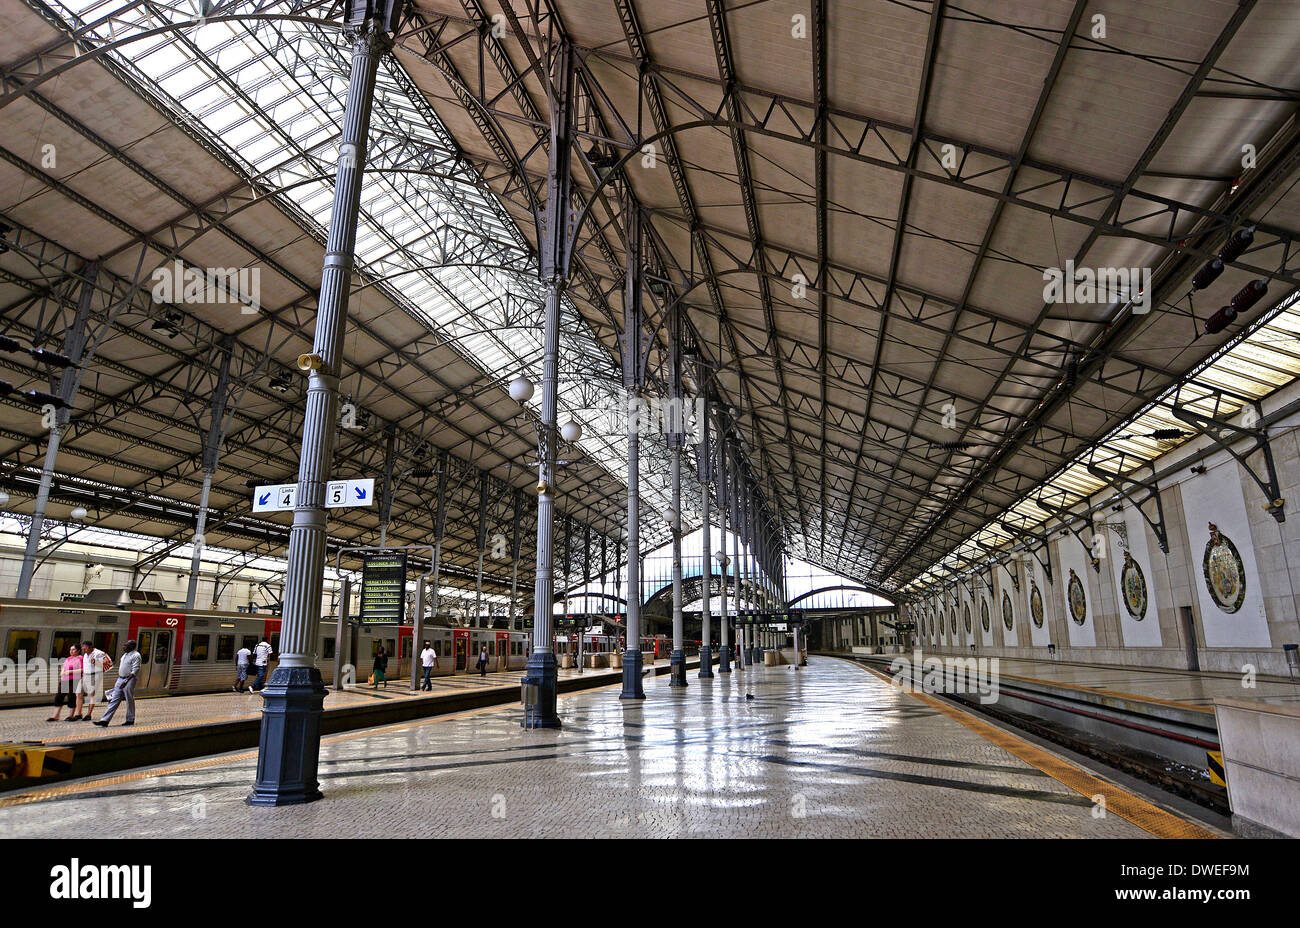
482 661
127 671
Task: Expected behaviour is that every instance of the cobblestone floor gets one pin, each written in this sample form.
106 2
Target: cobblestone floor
825 751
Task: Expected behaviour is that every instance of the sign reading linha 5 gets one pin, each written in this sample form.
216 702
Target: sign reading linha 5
282 497
383 588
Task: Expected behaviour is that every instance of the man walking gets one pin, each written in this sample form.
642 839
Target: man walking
261 660
482 661
241 668
127 672
429 658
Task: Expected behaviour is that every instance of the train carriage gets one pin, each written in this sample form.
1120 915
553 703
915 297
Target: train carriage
193 651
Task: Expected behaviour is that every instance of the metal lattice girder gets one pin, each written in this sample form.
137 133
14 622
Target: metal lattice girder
185 381
1139 492
1221 431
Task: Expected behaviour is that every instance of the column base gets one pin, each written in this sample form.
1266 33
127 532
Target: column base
724 659
706 663
541 671
632 676
677 668
289 747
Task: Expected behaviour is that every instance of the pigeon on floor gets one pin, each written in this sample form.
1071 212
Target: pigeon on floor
749 695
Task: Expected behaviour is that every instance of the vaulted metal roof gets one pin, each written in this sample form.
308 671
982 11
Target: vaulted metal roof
856 200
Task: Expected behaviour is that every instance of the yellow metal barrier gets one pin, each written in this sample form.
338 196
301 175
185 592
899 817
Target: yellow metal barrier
33 760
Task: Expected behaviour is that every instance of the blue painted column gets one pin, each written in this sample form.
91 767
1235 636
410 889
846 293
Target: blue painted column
703 472
289 747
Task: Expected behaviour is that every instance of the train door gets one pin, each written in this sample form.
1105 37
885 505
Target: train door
460 647
160 660
503 650
157 637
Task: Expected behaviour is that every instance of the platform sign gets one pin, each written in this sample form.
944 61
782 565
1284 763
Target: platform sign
339 494
275 497
383 588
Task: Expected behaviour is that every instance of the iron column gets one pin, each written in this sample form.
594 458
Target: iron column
290 738
632 688
724 631
540 671
74 346
703 465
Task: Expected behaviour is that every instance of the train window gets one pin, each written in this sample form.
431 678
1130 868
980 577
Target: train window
146 646
225 647
248 641
106 642
22 640
327 649
406 647
198 648
275 642
62 641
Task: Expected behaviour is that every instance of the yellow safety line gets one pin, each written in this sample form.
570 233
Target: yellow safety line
1141 813
54 792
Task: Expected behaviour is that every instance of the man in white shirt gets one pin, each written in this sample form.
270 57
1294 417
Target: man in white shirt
127 672
261 659
94 664
241 668
429 658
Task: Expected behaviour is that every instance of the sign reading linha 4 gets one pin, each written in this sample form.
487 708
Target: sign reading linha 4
282 497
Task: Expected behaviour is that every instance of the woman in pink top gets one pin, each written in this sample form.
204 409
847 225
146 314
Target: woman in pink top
69 686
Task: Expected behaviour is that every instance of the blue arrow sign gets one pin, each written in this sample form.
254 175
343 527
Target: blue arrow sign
361 494
263 499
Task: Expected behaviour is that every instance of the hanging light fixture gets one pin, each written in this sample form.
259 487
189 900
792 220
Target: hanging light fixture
521 389
571 431
78 513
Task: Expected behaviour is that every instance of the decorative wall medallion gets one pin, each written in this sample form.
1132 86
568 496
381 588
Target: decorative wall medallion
1008 619
1225 575
1134 584
1035 604
965 614
952 620
1078 603
984 613
1014 573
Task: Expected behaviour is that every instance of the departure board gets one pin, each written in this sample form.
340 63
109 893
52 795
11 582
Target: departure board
383 588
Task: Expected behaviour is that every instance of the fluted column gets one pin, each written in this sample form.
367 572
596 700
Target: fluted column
290 735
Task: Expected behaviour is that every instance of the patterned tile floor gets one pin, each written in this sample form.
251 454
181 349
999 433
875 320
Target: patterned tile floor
162 712
825 751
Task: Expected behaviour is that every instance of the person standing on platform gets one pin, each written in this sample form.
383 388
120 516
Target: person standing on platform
429 658
482 661
261 660
69 687
380 668
127 672
241 668
94 664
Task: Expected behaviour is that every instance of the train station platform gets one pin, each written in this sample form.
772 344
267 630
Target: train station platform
169 728
827 750
1186 689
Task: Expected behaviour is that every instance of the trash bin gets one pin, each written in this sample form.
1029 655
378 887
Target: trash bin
770 658
615 659
566 661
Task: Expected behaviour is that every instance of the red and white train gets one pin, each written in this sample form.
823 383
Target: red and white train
193 651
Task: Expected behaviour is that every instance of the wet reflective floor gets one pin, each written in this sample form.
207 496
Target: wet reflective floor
828 750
